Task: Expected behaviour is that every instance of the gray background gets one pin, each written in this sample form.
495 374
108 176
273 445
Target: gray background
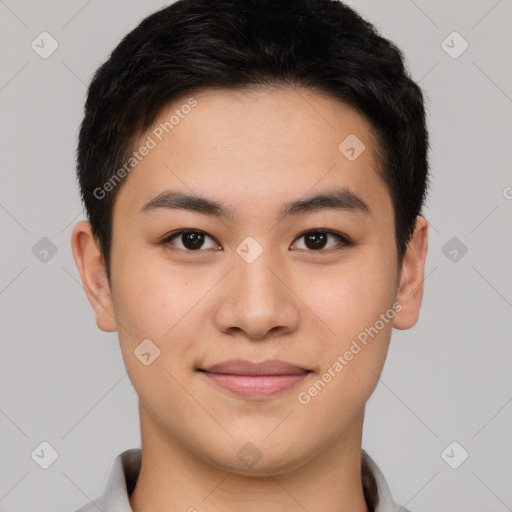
448 379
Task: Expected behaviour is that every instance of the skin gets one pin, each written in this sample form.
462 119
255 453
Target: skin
252 152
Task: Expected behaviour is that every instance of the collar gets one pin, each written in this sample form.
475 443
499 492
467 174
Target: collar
126 468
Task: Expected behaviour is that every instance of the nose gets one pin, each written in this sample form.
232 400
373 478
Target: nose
258 299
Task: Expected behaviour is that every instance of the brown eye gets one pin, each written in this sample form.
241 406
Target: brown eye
190 240
319 239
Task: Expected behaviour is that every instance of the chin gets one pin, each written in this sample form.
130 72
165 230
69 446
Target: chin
249 460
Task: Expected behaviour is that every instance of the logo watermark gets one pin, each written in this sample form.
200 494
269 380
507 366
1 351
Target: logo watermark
304 397
149 144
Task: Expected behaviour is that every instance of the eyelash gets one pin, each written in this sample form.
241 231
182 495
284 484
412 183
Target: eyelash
343 239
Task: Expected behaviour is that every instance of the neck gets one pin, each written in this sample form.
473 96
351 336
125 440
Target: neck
173 478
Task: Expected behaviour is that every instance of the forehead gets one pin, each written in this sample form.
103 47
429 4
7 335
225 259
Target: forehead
254 148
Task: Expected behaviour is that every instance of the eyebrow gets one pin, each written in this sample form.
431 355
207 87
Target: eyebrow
333 199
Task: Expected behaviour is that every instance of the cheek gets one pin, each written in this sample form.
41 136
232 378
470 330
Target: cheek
356 303
154 303
350 297
150 296
164 303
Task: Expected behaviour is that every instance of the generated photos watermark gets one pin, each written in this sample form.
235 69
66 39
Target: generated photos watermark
150 143
304 397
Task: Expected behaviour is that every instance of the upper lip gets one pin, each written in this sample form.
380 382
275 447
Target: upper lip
246 367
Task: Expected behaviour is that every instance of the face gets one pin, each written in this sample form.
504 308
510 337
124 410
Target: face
251 276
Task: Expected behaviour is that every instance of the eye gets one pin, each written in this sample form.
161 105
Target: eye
193 240
317 240
190 240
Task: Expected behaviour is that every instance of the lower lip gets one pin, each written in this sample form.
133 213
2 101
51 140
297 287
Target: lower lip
255 386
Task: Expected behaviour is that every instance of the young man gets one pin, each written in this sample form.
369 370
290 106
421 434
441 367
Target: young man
253 174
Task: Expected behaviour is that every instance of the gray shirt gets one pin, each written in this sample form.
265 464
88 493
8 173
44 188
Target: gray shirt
125 472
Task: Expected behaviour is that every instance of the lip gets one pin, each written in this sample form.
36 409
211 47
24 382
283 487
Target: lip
255 380
246 367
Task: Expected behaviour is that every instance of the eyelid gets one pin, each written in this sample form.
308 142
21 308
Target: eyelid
342 238
166 241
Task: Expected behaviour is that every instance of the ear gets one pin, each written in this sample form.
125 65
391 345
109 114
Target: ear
410 288
91 266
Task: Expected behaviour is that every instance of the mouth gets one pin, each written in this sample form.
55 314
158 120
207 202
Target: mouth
255 380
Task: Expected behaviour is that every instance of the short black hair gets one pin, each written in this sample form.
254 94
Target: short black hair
194 45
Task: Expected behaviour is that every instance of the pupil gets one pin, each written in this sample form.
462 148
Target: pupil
317 240
192 240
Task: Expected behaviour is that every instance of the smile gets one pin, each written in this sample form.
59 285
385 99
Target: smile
255 380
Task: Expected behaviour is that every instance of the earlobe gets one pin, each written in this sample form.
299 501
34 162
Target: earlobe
91 266
410 289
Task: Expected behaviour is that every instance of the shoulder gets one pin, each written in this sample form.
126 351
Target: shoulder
121 482
384 499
